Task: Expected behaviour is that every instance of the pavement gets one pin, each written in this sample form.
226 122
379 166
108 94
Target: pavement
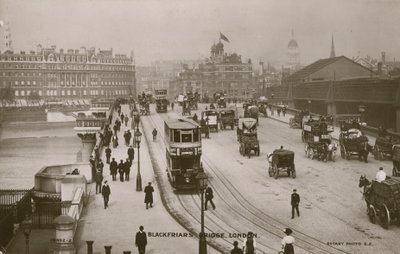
40 242
117 225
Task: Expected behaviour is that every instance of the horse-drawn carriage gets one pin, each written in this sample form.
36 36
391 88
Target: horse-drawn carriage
297 120
396 160
383 147
251 112
353 142
144 109
318 140
247 136
281 160
383 200
226 118
211 117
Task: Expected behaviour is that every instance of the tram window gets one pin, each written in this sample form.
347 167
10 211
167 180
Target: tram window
195 135
186 137
177 136
183 163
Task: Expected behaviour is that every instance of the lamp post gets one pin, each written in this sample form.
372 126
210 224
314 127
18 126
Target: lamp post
361 110
26 225
202 181
309 105
138 137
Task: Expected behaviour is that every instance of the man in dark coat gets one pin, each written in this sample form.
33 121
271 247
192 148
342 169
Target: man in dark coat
236 249
127 168
141 240
122 117
209 197
98 179
121 170
100 165
105 191
108 154
131 153
295 200
127 136
115 128
148 198
92 165
97 152
113 169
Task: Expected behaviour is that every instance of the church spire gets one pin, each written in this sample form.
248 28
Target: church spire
332 49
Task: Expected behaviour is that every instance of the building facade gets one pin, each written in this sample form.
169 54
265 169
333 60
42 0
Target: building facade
188 80
227 73
84 73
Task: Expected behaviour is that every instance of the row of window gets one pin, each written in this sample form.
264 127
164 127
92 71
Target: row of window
66 83
65 67
22 93
65 58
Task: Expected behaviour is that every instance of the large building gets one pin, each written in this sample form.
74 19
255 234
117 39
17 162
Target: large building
188 80
84 73
329 69
227 73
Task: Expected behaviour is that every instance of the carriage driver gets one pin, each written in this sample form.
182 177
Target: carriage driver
380 175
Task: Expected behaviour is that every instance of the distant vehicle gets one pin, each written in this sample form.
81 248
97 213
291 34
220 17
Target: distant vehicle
226 118
252 112
183 140
247 136
281 160
383 147
297 120
211 118
162 103
352 141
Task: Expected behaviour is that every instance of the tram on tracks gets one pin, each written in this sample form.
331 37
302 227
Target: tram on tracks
183 152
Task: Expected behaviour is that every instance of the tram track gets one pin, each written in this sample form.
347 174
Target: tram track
306 241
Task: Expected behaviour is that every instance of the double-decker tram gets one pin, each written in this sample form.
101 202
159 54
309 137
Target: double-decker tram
183 152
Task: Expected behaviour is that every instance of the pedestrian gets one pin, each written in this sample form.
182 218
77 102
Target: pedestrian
92 164
121 170
172 105
115 128
100 165
195 118
209 197
122 117
105 191
295 200
126 120
154 134
287 242
127 169
127 136
108 154
131 153
236 249
97 152
278 111
141 240
115 141
284 111
380 175
113 169
249 244
148 197
98 178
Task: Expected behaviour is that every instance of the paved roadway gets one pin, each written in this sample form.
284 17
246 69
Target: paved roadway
247 199
118 224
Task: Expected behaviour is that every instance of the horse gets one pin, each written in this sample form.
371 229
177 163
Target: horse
365 149
366 185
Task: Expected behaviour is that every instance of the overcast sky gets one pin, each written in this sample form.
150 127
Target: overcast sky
185 29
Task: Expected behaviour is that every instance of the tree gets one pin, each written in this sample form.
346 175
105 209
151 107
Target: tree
34 97
7 95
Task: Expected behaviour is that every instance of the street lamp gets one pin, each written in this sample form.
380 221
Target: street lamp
309 105
202 181
138 138
26 225
361 110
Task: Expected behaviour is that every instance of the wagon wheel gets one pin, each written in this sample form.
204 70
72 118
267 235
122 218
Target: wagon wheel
293 171
241 149
384 217
276 172
306 150
270 171
342 151
375 152
372 214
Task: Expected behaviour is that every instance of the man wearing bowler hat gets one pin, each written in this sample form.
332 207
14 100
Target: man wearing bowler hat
295 200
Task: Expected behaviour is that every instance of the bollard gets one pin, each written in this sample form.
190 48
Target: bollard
126 252
89 247
108 249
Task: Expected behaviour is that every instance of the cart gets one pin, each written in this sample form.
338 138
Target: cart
281 160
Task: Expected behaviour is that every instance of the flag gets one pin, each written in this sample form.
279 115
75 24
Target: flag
223 37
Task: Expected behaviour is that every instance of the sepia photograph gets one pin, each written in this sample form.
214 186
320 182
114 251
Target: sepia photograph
199 127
